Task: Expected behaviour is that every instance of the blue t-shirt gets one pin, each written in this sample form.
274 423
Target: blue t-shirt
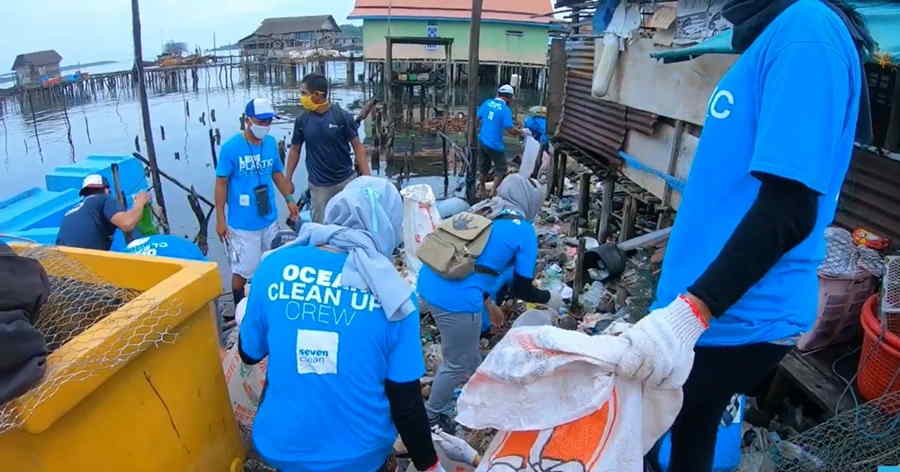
327 137
330 351
787 107
248 166
496 117
88 224
165 245
512 244
538 127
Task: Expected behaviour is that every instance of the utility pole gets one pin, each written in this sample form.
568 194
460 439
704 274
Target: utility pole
145 115
474 36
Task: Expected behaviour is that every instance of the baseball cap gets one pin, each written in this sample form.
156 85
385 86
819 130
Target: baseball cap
93 181
506 89
261 109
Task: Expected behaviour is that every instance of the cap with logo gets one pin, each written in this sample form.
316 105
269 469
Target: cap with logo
506 89
261 109
93 181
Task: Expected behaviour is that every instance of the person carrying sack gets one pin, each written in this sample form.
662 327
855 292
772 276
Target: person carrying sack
455 291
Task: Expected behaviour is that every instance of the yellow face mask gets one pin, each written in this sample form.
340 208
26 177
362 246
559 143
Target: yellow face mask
307 103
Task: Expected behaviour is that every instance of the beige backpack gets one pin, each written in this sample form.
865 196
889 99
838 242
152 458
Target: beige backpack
452 248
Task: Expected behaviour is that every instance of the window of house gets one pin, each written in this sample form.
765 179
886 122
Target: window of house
514 34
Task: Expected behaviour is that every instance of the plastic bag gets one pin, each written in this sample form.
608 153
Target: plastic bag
420 217
559 407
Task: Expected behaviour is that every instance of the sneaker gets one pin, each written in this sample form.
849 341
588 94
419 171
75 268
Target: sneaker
443 423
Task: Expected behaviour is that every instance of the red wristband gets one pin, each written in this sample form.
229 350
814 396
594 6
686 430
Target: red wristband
696 311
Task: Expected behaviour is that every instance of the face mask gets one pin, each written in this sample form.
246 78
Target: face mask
307 102
259 131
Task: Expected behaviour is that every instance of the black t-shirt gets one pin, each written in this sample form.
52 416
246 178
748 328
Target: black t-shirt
327 137
88 225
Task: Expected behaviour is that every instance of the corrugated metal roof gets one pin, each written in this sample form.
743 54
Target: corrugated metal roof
869 198
37 58
524 11
296 24
597 127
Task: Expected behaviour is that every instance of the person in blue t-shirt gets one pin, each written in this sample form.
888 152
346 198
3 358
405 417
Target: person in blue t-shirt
248 166
165 245
340 328
739 277
536 123
92 222
456 305
496 117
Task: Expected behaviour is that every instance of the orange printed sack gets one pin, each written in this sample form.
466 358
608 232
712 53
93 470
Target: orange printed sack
554 397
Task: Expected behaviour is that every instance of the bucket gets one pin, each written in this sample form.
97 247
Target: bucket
840 302
879 364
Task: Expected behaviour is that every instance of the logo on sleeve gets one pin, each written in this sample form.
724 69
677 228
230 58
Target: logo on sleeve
317 352
720 104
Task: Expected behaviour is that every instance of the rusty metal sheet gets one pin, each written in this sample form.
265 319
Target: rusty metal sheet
869 197
597 127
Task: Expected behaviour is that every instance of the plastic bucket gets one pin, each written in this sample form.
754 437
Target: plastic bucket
879 364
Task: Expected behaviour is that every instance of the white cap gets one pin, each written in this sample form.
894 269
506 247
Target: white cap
506 89
93 181
260 108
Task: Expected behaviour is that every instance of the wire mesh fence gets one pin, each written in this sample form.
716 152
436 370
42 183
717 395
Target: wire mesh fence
76 322
860 439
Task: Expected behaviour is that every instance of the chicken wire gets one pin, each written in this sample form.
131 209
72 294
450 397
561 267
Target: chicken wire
859 439
890 301
78 300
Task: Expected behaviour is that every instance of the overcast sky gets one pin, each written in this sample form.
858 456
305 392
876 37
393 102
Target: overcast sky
96 30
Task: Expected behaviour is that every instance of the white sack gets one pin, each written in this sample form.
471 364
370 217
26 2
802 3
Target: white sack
529 156
558 405
420 217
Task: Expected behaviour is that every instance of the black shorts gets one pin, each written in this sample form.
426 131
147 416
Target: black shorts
492 156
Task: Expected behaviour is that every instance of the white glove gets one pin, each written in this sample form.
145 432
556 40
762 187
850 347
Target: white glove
455 448
662 346
526 132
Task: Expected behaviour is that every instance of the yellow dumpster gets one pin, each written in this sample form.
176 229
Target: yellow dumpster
137 388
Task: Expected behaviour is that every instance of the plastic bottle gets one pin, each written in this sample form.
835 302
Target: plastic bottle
592 296
552 278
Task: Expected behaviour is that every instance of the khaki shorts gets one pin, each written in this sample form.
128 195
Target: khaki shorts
247 247
319 197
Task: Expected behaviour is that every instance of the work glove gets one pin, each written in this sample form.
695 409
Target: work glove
437 467
526 132
661 351
455 448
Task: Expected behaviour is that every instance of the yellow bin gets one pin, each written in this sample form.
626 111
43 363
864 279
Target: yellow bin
167 409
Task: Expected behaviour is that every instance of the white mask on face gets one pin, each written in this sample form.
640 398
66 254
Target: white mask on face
259 131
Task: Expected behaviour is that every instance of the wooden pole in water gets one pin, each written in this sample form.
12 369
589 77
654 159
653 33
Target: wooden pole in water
212 148
444 153
474 37
145 115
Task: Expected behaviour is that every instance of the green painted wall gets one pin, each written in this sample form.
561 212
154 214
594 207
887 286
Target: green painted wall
495 44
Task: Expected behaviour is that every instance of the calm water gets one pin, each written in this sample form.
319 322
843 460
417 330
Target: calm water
34 140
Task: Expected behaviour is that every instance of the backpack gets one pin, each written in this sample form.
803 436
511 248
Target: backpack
453 247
